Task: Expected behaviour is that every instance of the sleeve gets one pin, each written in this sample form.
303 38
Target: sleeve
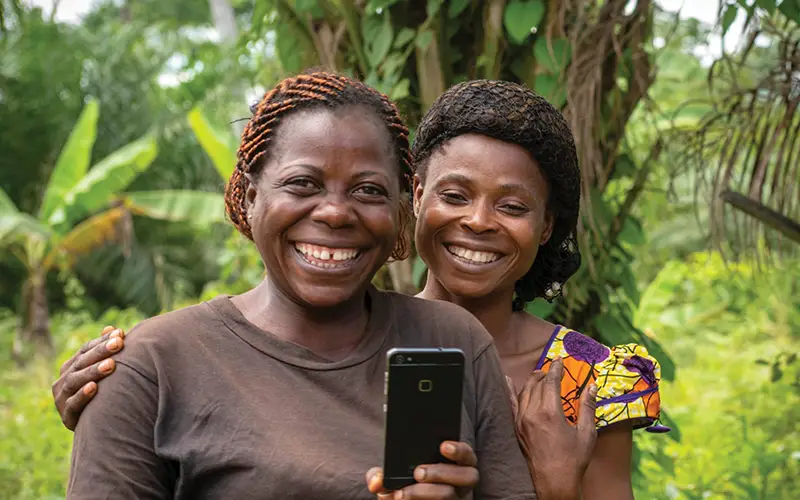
628 387
113 453
503 470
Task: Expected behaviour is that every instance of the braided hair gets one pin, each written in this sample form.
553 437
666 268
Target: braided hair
315 89
512 113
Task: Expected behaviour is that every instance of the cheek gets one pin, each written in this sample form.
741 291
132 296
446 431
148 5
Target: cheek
382 221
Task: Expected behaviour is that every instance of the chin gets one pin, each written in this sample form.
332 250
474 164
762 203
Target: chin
467 289
323 297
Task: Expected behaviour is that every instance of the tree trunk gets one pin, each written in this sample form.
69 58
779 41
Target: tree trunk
37 325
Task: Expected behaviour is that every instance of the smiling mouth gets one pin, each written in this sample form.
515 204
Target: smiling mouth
472 256
327 257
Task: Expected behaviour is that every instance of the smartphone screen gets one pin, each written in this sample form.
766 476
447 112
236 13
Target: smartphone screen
423 409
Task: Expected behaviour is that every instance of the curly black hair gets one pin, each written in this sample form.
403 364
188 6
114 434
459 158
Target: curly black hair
512 113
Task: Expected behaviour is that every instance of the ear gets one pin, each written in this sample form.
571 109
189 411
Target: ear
251 192
547 228
418 191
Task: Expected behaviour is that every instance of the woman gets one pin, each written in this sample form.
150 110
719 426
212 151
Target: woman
496 196
277 393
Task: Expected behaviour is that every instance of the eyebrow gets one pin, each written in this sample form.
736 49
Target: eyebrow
369 173
515 187
454 178
511 187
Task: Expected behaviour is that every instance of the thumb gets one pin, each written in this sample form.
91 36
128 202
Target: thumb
586 418
375 480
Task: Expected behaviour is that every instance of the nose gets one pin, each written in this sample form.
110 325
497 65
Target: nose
334 211
481 219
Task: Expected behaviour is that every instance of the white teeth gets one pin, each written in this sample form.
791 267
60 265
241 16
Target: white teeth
334 256
474 255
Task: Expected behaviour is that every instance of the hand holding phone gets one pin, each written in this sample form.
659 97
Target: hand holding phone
436 481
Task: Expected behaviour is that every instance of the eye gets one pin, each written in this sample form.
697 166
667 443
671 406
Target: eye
514 208
302 186
370 192
453 197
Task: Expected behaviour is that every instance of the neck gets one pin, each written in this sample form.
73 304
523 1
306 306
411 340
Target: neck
493 311
331 332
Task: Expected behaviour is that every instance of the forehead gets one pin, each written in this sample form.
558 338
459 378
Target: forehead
351 131
486 161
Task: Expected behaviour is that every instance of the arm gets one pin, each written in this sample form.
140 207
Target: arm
557 452
113 452
77 382
608 476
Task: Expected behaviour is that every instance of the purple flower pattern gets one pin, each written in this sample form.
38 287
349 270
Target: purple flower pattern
584 348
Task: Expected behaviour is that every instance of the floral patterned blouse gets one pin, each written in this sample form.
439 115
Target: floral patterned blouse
627 379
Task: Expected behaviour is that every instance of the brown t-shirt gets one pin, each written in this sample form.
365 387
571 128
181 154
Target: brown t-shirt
204 404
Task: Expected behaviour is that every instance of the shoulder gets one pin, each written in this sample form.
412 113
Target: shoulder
167 335
627 377
441 322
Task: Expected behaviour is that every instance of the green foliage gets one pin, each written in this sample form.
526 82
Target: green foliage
730 326
521 17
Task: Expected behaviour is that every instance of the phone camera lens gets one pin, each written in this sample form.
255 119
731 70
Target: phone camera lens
400 359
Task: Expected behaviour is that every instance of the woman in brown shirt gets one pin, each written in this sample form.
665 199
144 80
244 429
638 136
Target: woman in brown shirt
277 393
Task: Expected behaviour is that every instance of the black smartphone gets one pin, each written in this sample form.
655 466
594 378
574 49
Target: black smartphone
423 408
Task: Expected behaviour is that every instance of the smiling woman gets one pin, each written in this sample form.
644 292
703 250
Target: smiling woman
277 393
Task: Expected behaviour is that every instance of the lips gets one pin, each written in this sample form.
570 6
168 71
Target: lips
473 256
327 257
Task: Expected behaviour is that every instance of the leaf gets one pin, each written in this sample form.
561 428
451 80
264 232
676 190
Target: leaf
520 17
768 5
15 226
403 38
554 62
432 7
551 89
612 330
222 155
401 90
199 208
791 9
424 39
74 160
632 232
93 233
624 167
628 282
289 47
728 17
106 179
540 308
456 7
6 205
381 43
374 5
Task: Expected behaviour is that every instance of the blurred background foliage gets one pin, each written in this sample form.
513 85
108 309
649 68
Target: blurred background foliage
119 128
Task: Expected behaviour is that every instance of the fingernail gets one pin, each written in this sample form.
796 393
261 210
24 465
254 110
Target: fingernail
419 473
116 333
113 344
89 388
106 366
449 448
398 495
593 390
